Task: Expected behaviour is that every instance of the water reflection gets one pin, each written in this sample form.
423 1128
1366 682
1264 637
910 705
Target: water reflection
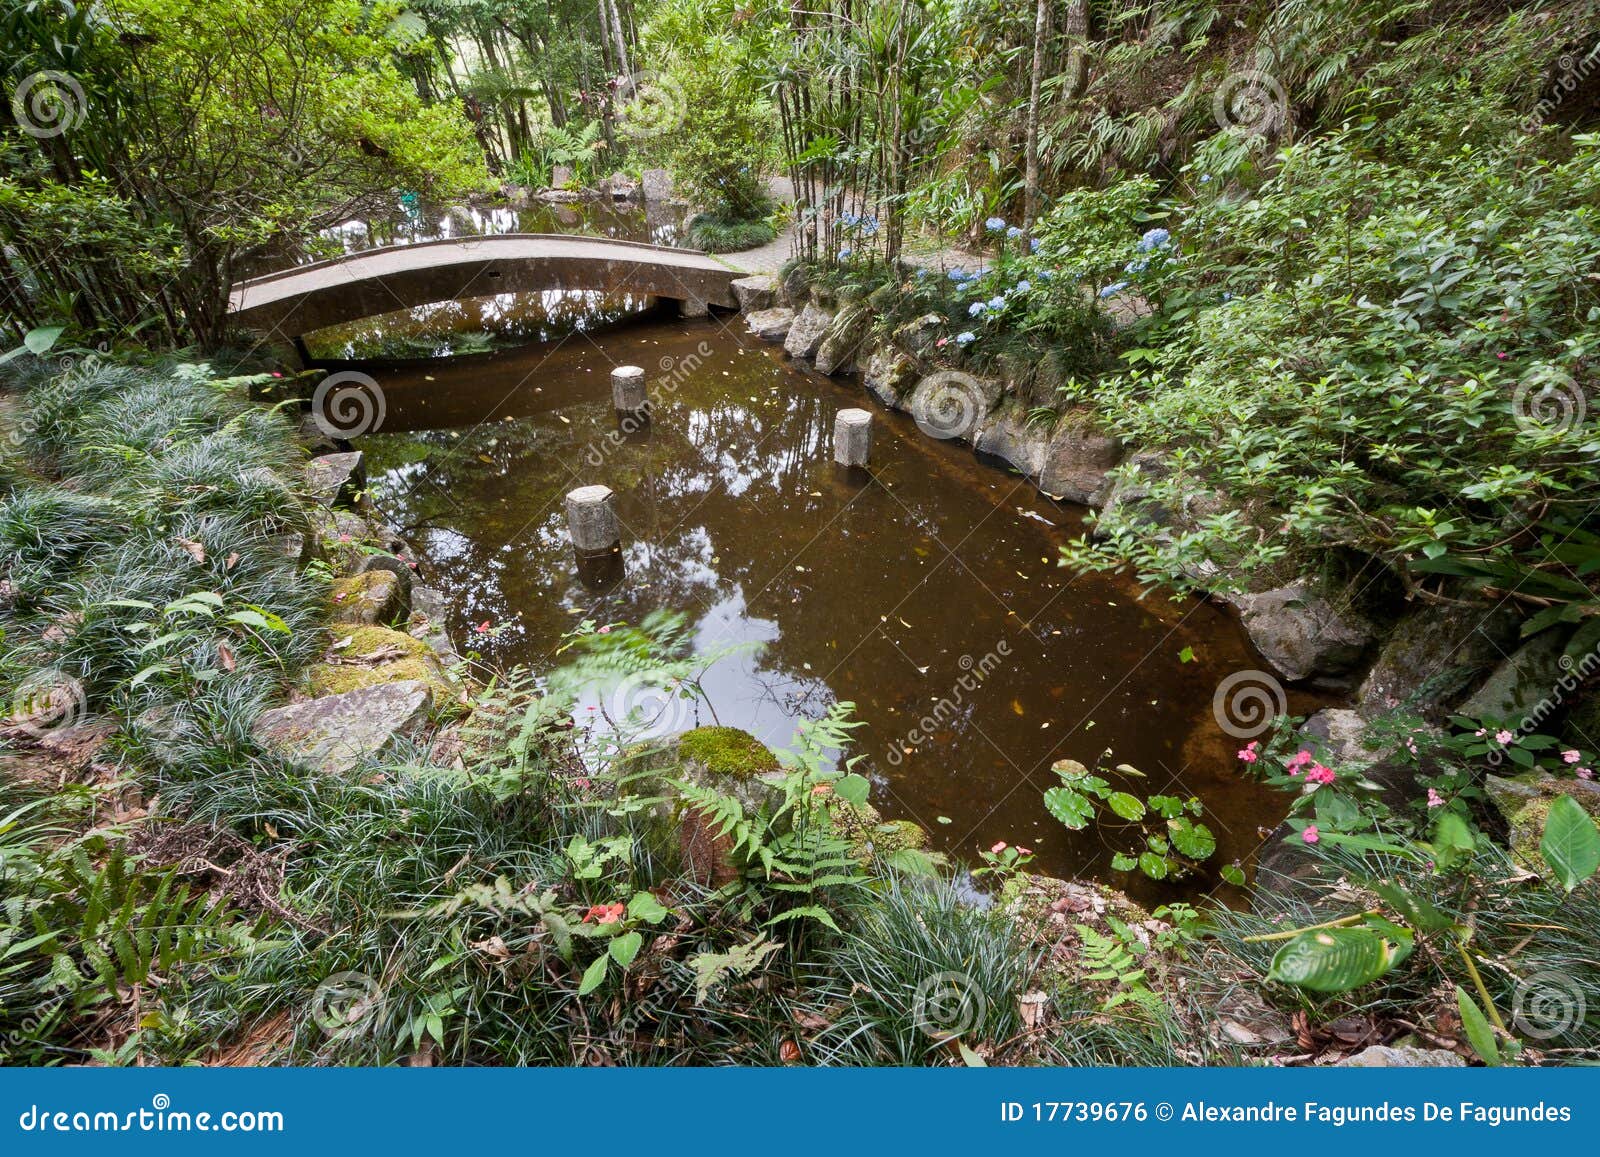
889 591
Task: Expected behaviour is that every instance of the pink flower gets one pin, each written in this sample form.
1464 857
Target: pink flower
1320 774
1503 737
1584 773
1248 755
1502 356
483 628
605 630
1480 733
581 783
1310 835
1435 799
1024 851
1296 761
998 848
1571 756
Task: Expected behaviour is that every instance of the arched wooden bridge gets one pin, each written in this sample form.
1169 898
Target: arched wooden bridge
309 297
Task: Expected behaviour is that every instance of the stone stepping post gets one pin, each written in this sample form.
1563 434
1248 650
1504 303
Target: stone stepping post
591 521
628 390
852 437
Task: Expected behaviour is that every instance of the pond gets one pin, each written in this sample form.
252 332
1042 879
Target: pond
926 591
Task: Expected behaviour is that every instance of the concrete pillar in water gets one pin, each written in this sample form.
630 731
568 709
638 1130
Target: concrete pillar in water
693 307
852 437
591 522
627 390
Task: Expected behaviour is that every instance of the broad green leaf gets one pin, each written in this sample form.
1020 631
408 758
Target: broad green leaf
1153 865
1479 1035
1233 874
625 947
969 1058
1337 959
646 907
1166 806
853 789
1122 862
1129 807
594 975
39 341
1453 841
1191 839
1072 808
1571 843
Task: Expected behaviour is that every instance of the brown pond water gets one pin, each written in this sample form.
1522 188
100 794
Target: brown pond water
925 591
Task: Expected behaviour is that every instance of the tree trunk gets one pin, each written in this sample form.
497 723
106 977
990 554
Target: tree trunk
1041 31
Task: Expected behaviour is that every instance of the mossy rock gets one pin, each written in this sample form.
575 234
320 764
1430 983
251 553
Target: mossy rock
1525 800
728 751
871 837
375 655
367 599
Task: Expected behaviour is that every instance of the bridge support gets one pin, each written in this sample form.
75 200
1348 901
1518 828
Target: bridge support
592 523
628 390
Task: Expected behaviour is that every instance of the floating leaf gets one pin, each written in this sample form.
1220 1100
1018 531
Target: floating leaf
1129 807
1072 808
1153 865
1191 839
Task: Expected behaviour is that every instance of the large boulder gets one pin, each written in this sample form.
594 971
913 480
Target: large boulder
807 332
770 324
1433 655
430 614
336 733
656 185
336 479
1302 634
1127 497
1078 461
1008 436
890 374
1522 688
953 404
756 292
841 345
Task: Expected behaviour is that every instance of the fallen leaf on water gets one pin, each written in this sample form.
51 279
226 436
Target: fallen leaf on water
1017 707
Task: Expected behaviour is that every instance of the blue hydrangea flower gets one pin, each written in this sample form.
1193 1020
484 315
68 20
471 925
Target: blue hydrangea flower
1014 232
1047 274
966 337
1154 239
1033 245
1109 290
1024 285
998 301
975 309
844 255
958 274
1138 266
995 224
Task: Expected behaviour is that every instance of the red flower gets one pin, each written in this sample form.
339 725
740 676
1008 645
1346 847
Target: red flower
604 913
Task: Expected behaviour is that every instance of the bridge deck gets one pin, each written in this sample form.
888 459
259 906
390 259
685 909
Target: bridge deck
307 297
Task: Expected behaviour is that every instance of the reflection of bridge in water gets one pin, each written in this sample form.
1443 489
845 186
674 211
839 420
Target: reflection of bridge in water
310 297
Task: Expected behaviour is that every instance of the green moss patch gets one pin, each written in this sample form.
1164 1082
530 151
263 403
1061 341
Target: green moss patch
728 751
